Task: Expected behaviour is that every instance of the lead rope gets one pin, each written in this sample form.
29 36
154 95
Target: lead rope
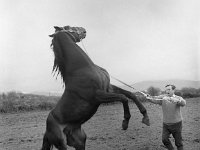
130 86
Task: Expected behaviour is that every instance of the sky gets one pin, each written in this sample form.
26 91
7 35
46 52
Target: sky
133 40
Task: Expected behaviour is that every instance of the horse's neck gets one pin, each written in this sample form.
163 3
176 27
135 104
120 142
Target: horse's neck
75 58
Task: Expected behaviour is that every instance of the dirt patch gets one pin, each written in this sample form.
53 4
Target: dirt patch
24 131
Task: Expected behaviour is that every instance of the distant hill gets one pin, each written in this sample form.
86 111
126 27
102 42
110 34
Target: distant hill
161 84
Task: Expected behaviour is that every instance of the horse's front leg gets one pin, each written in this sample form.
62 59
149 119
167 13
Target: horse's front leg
105 97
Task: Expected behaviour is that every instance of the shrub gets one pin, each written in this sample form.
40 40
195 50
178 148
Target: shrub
7 106
153 91
190 92
46 106
18 102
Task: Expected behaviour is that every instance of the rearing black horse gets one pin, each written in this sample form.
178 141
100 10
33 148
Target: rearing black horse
86 87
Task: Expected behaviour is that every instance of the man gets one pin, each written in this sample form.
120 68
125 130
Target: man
172 117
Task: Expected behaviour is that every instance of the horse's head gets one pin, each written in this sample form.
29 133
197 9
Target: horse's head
76 33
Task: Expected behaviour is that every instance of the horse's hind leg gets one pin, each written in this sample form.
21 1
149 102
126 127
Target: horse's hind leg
140 106
127 115
76 137
105 97
54 133
46 145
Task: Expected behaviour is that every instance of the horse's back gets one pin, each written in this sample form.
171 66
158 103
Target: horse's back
89 78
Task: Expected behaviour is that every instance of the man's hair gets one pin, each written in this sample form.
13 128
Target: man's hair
173 86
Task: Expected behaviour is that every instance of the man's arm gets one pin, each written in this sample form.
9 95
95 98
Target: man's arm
159 96
179 101
154 100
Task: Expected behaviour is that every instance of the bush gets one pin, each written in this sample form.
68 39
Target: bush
46 106
7 106
153 91
179 93
190 92
18 102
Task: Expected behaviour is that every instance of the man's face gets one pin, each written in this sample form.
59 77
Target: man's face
169 90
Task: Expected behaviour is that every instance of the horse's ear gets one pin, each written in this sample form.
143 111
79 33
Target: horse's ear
51 35
58 28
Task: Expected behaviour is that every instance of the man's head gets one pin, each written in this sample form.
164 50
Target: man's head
170 89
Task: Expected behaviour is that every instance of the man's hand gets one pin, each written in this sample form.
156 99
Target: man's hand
148 96
167 98
173 100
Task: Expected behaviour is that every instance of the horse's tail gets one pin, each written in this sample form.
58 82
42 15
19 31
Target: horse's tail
46 143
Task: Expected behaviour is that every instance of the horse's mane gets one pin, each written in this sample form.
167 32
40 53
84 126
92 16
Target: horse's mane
58 66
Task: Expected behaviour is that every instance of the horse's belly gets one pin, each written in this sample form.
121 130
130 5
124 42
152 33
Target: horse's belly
74 112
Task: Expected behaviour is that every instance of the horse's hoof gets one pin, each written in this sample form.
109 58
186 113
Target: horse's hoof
125 124
145 120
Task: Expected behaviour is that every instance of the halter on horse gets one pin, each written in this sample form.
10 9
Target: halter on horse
86 87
